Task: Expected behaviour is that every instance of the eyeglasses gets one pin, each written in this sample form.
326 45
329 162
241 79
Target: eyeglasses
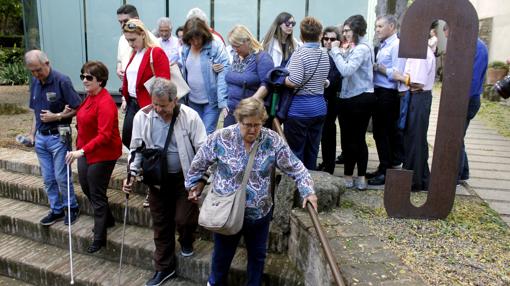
252 125
87 76
346 30
290 23
326 39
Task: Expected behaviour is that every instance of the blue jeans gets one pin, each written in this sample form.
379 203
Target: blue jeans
256 233
473 107
304 137
208 113
51 153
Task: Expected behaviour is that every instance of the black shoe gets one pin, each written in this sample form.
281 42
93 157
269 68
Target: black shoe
340 159
160 277
52 218
96 246
323 168
377 181
75 213
373 175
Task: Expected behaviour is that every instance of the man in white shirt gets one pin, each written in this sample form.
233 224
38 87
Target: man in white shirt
418 79
169 43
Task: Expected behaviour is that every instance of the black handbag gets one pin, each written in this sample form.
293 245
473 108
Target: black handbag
154 161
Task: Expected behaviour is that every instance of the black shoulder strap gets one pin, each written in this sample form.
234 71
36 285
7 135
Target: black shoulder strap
314 71
177 109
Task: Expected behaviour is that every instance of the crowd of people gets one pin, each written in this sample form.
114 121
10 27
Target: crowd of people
329 73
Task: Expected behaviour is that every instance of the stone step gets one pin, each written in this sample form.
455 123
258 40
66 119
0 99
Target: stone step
25 162
8 281
45 265
29 188
22 219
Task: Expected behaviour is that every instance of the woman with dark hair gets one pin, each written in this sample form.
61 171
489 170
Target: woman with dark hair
328 138
279 41
99 146
208 90
308 72
355 62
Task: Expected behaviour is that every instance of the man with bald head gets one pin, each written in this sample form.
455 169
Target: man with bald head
54 101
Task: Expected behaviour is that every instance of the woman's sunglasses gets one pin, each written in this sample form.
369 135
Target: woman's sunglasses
87 76
130 27
326 39
290 23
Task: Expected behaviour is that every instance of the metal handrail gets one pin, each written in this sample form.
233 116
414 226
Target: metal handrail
316 224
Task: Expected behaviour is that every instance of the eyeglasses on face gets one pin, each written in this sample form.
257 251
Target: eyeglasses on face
290 23
252 125
87 76
326 39
346 30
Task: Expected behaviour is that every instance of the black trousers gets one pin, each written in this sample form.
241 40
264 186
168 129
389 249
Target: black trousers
355 114
328 138
416 147
170 208
94 180
127 128
386 133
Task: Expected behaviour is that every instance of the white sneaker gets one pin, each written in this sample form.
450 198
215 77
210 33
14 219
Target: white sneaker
349 183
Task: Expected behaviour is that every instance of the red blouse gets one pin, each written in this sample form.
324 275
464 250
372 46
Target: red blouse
98 128
161 69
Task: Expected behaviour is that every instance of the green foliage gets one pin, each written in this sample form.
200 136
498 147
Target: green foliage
14 74
12 68
11 55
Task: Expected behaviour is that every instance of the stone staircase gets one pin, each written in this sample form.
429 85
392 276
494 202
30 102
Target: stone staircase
39 255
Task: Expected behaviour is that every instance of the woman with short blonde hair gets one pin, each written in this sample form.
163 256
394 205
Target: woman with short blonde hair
250 65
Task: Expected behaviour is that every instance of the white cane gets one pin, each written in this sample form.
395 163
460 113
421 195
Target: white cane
69 222
123 235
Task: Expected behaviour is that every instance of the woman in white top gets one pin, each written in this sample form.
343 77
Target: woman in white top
279 41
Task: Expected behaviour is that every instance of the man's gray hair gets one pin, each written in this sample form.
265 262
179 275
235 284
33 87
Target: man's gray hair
198 13
164 20
39 55
164 87
390 19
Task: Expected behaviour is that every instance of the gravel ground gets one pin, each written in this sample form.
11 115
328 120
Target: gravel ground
470 247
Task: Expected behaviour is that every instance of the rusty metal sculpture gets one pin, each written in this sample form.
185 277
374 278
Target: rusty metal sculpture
462 20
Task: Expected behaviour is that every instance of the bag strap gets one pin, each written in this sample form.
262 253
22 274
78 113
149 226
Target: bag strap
151 62
177 109
247 171
314 71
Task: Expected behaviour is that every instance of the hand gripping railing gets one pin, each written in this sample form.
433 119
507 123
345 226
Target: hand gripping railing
316 224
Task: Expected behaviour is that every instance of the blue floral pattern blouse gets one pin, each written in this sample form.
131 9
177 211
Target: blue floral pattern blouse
225 147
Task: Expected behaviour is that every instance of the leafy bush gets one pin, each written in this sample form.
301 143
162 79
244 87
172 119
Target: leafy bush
11 55
14 74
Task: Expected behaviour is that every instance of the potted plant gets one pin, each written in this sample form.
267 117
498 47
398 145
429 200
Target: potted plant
496 70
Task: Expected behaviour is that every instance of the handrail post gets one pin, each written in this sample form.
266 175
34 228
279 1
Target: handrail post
316 224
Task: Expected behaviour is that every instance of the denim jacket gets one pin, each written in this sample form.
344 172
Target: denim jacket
356 66
212 53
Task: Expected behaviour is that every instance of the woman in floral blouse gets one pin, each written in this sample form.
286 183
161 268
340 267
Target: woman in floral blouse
230 149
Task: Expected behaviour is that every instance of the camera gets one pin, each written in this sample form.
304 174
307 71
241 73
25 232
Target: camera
503 87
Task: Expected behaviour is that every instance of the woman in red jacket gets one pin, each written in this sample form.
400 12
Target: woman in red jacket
99 146
138 71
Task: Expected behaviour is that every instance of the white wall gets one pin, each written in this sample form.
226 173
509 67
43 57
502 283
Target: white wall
499 10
